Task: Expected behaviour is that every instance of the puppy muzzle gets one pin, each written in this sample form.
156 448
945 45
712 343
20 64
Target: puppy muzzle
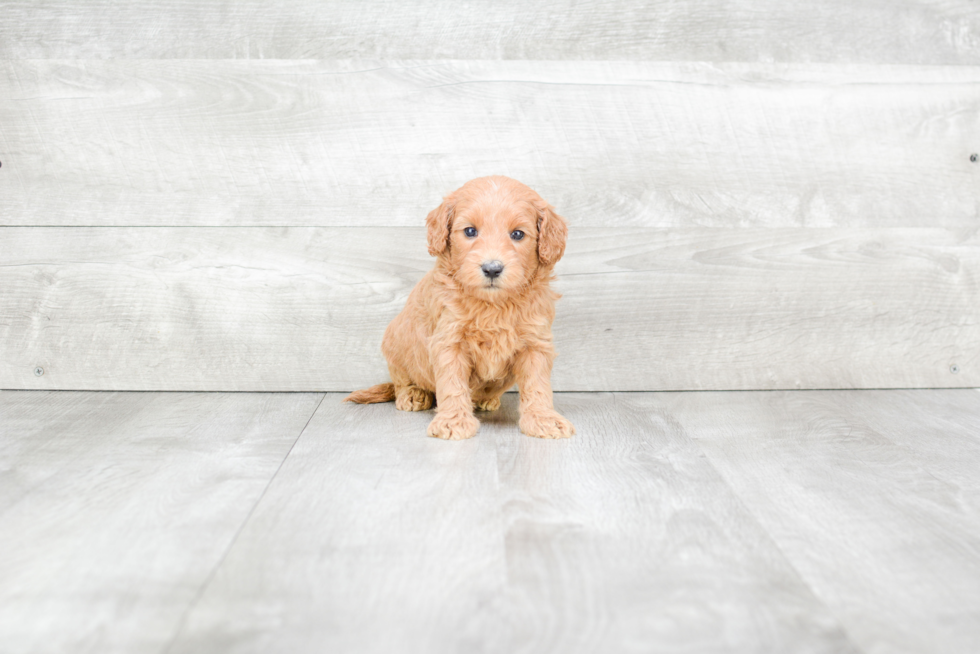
492 269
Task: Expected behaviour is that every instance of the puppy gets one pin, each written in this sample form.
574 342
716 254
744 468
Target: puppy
480 320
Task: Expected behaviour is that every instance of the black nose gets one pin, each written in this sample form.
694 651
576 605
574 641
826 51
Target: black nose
492 269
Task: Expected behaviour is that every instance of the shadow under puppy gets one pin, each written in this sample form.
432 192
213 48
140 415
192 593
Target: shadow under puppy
480 320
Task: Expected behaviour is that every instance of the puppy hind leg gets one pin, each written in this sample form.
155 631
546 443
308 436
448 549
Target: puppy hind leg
408 396
488 397
413 398
487 404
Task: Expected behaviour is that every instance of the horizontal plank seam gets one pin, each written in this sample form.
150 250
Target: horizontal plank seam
214 570
348 391
421 225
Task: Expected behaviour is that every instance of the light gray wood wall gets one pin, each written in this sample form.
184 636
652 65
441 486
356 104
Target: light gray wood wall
837 31
759 196
176 142
304 308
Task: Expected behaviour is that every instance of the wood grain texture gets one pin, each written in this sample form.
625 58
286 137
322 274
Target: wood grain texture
808 521
305 308
374 538
379 143
871 496
377 539
877 31
114 508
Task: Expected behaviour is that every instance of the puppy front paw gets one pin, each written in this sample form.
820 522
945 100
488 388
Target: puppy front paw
453 427
546 424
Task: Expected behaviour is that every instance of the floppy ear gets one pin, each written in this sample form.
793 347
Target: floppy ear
438 222
552 233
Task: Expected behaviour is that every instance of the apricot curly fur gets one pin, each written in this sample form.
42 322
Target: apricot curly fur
465 337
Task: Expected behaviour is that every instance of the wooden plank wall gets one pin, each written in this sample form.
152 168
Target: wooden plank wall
227 196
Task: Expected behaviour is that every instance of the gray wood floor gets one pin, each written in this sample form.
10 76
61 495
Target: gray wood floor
789 521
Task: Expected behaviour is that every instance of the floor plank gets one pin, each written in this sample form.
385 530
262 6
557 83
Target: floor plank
115 508
373 538
872 496
376 538
812 521
625 539
899 31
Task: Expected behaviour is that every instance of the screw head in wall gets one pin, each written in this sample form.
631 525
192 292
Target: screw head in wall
38 371
954 368
974 157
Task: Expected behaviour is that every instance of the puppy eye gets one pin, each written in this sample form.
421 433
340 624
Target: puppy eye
470 232
517 234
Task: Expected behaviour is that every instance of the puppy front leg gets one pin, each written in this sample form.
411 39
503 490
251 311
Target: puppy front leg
454 405
538 415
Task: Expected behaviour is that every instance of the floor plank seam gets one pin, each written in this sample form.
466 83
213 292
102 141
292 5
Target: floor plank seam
748 511
224 555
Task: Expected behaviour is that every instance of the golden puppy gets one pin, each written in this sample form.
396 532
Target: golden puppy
480 320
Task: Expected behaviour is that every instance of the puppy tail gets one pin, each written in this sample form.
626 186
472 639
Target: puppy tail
373 395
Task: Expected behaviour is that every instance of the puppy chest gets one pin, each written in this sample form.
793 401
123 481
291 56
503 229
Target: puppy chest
491 352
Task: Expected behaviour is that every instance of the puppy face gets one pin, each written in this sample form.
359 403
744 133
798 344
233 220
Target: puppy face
494 235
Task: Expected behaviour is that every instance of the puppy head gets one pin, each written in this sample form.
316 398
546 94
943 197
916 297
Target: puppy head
494 235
